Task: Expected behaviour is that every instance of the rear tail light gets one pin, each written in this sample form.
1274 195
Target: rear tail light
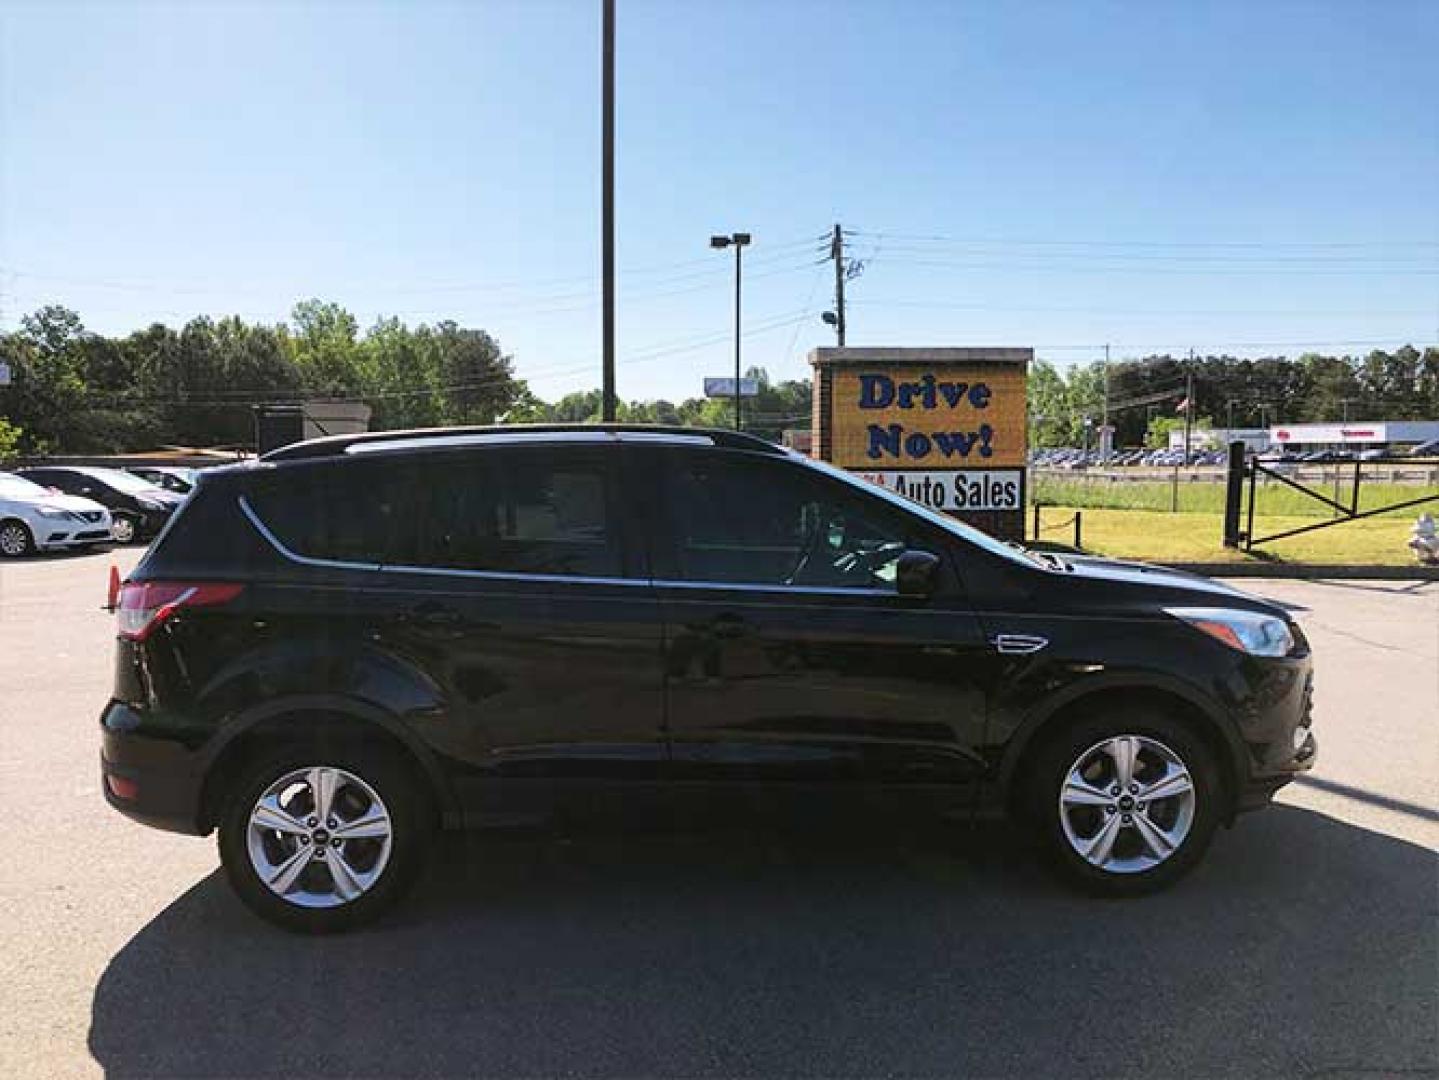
122 788
147 605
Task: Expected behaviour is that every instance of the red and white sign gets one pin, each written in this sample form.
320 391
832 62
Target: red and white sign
1325 434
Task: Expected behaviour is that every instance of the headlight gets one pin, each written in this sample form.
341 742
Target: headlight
1247 631
50 512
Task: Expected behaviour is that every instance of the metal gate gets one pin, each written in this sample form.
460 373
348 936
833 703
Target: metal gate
1247 472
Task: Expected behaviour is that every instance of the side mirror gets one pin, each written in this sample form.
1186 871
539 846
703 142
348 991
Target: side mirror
915 573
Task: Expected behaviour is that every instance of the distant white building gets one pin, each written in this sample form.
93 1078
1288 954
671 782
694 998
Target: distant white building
1366 433
1255 439
1357 433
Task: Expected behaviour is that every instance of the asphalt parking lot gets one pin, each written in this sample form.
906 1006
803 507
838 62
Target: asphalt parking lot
1306 944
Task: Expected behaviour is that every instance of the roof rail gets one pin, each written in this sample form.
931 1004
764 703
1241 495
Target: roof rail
416 438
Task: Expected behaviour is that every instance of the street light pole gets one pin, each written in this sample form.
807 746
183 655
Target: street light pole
739 241
607 211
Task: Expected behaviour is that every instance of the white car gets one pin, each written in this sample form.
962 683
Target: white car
33 518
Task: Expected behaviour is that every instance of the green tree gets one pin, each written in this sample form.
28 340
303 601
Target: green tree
478 377
326 348
48 384
401 376
9 439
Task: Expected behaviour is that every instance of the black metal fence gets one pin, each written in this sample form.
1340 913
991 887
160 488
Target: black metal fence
1245 475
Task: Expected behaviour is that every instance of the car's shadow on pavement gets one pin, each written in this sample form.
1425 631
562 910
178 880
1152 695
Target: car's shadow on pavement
1302 945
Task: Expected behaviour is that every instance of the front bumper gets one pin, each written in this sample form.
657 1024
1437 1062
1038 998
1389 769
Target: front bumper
1279 731
64 533
156 782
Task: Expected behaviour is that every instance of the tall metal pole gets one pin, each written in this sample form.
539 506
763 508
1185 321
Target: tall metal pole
607 199
1106 440
1188 405
836 249
738 270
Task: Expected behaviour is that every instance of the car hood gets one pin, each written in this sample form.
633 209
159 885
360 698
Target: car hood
70 502
1176 585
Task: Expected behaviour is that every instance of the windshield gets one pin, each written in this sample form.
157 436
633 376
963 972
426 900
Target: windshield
122 481
17 487
968 533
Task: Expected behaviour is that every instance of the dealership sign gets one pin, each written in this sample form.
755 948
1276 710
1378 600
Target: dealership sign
1305 434
928 417
945 427
975 489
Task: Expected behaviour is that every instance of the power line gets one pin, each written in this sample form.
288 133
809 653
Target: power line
1112 243
1167 312
787 250
1219 270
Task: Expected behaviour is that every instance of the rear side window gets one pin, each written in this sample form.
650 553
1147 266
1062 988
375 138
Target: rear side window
350 513
522 512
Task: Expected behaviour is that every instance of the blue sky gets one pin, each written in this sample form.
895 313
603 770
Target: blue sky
1256 177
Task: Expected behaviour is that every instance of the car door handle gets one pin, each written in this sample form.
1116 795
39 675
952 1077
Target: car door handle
436 615
1018 644
725 627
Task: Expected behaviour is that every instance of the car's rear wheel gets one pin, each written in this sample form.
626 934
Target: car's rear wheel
123 529
15 539
1125 805
324 840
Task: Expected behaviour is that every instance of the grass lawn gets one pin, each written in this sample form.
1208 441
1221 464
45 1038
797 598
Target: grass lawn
1156 536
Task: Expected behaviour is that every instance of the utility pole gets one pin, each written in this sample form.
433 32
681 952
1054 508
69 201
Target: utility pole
1188 405
1106 439
836 251
607 199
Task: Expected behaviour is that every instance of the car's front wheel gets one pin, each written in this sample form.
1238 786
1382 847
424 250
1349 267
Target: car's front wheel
324 840
15 539
1126 805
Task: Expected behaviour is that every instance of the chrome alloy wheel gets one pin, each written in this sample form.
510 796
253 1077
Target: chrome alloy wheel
122 529
319 837
1127 804
14 540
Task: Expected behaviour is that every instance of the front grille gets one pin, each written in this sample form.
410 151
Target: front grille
93 534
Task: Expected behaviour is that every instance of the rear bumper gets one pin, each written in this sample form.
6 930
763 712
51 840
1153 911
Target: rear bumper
156 782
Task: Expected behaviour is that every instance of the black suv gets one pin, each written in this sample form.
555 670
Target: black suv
330 653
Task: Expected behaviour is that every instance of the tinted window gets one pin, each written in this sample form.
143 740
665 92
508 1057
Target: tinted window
59 479
767 523
349 513
529 512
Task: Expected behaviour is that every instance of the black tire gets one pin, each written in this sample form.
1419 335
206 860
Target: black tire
1157 732
19 540
404 797
120 523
